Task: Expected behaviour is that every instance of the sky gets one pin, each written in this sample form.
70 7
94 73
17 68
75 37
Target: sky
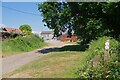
15 19
23 0
0 13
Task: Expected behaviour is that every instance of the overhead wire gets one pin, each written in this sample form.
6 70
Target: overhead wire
20 11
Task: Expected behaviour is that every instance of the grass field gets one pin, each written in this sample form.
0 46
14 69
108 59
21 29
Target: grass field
52 65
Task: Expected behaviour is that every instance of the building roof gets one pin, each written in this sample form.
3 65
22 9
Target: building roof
47 32
13 30
65 34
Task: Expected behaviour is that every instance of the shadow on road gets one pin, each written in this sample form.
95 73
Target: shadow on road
47 50
64 48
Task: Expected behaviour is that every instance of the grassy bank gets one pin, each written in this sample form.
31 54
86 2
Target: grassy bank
54 65
100 65
21 44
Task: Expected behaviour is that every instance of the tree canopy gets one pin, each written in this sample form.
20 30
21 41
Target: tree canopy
26 29
89 20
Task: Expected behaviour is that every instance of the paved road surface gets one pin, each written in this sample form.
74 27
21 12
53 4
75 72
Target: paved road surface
13 62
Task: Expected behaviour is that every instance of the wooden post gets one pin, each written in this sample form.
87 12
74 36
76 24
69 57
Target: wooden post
106 51
106 55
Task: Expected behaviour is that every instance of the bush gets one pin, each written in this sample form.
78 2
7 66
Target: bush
26 29
109 70
22 44
96 47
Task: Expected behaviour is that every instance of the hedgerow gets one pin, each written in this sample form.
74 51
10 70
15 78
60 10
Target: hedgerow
109 69
21 44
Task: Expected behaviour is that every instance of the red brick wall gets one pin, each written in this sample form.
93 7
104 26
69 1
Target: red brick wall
65 38
74 38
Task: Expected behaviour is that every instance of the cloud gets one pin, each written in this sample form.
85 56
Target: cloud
35 32
2 25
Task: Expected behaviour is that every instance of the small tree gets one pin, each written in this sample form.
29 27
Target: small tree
26 29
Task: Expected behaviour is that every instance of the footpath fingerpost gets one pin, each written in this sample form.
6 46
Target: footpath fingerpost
106 55
106 51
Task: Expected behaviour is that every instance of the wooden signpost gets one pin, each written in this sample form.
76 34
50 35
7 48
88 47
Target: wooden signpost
106 51
106 55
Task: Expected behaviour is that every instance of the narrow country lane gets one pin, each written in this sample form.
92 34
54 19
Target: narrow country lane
13 62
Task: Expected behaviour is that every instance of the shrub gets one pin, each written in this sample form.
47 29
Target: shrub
22 44
96 47
26 29
109 70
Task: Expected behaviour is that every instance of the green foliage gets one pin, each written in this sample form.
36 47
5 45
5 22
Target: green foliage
97 46
26 29
87 20
21 44
55 15
110 69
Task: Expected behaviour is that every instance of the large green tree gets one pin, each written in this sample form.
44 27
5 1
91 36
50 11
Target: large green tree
88 20
55 15
26 29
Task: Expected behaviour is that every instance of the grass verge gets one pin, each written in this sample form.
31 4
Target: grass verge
21 44
53 65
